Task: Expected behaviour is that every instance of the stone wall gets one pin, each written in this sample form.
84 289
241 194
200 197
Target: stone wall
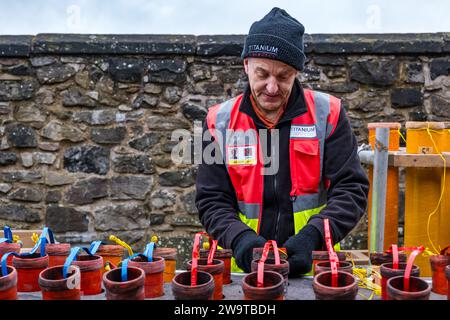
86 120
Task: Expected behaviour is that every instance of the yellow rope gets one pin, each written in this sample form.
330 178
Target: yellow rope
364 281
401 135
427 253
443 187
282 251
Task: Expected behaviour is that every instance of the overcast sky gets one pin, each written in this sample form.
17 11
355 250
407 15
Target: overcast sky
219 17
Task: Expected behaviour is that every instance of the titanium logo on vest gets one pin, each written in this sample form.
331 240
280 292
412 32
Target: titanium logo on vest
303 131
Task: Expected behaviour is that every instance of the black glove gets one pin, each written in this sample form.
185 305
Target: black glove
299 249
243 248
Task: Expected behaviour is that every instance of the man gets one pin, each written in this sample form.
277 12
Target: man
243 201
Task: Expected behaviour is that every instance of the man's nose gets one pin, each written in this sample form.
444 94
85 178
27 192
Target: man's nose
272 86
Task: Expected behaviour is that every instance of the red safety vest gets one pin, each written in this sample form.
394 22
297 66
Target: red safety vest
239 143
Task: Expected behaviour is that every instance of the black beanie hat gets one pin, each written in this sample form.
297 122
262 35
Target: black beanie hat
277 36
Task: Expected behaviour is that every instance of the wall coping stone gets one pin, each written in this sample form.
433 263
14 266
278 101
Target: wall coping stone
214 45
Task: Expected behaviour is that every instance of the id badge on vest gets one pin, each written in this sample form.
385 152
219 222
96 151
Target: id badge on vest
241 155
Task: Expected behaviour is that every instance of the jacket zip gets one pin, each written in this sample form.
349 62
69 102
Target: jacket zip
260 124
275 193
277 206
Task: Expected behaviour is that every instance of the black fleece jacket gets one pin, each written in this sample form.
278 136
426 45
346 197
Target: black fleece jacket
347 194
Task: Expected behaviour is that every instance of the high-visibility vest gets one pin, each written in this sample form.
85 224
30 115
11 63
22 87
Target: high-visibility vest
239 143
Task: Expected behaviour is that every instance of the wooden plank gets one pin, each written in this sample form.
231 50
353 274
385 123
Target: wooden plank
25 237
359 257
420 160
402 159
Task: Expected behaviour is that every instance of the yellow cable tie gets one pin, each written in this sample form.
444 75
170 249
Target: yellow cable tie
121 243
16 239
35 237
428 253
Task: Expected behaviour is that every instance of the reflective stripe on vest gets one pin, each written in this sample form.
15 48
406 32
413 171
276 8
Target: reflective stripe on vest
235 131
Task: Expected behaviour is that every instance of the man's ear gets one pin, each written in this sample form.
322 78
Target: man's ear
246 65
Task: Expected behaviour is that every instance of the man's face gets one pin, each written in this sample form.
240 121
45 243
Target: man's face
271 82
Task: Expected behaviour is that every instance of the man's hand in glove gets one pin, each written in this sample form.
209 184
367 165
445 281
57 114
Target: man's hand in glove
299 249
243 248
